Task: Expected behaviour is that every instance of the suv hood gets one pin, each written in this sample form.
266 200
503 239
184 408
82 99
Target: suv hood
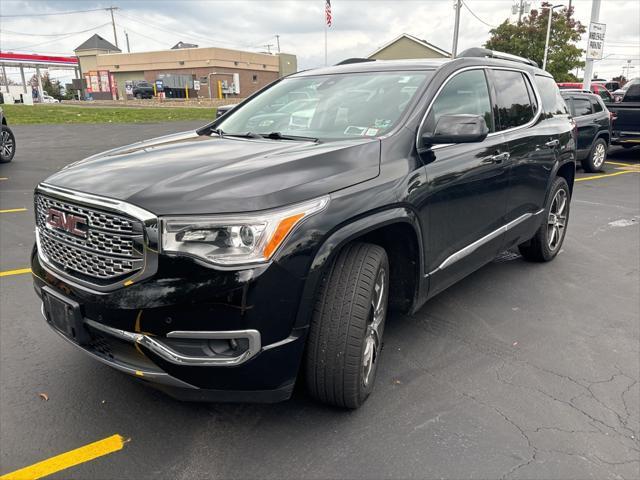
187 173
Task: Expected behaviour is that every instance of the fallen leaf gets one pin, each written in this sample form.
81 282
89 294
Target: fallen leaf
44 396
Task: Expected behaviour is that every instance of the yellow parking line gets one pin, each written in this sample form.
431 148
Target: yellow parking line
69 459
20 271
14 210
620 163
595 177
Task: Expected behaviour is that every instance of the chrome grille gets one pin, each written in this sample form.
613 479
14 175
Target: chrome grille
113 246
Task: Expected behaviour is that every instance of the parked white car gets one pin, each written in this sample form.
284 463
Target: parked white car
49 99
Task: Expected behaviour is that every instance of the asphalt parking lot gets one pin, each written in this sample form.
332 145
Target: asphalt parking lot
519 371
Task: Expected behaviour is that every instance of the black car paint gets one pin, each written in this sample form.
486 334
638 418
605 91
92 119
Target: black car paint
590 127
626 125
426 203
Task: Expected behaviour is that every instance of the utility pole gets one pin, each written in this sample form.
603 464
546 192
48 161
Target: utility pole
520 9
588 68
456 28
278 42
268 45
126 34
113 23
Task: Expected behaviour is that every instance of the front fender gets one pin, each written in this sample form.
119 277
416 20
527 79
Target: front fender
344 234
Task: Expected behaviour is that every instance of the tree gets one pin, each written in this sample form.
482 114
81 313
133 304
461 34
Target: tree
527 39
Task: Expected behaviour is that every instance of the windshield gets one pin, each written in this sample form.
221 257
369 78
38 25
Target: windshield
328 106
631 82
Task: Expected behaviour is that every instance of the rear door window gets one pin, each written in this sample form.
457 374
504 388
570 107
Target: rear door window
582 106
595 105
466 93
514 104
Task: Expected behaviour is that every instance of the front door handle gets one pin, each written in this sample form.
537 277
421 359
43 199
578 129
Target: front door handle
552 143
499 158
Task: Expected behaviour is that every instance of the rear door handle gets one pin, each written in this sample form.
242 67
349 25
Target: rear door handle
552 143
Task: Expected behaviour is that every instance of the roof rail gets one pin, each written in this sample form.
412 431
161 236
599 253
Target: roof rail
355 60
485 52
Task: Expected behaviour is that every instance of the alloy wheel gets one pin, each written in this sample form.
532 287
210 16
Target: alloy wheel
373 338
557 219
7 145
598 155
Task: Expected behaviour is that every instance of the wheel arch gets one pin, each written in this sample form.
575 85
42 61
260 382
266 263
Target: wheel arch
398 231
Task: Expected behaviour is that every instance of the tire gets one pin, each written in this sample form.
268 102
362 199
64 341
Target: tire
345 337
7 145
595 161
138 96
547 241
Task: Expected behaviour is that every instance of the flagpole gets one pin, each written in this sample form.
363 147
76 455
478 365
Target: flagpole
325 44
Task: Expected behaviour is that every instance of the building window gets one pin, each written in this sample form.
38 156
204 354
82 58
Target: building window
254 79
236 63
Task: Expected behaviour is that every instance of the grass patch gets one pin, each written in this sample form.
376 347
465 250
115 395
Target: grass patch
61 114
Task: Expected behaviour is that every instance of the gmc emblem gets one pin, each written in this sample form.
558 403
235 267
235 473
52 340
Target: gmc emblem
67 222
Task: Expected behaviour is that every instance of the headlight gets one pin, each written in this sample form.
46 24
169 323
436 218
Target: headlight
235 240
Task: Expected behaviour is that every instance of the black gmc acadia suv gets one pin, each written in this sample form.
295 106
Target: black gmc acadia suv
218 264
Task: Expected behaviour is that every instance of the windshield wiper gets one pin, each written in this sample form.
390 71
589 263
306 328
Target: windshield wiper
280 136
221 133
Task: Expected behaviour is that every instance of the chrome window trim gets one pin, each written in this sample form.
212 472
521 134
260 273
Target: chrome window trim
532 82
149 221
472 247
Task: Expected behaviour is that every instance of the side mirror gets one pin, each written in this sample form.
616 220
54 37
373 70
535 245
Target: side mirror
460 128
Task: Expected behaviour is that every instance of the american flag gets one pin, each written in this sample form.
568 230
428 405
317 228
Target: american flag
327 12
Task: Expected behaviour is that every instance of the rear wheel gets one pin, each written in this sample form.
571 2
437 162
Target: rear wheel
7 145
546 243
595 161
345 338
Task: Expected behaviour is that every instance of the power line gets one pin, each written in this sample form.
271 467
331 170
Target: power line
50 14
25 47
4 30
476 16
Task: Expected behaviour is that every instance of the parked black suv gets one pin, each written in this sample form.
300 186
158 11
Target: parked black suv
217 264
142 89
594 127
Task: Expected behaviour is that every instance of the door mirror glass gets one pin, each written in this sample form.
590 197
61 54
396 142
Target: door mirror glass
460 128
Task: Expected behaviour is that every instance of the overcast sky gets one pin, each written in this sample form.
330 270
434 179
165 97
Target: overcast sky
359 27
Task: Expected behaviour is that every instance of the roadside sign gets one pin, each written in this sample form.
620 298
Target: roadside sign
595 44
196 85
128 87
159 85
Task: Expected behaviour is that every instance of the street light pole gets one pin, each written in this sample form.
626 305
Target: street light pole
588 68
546 43
456 29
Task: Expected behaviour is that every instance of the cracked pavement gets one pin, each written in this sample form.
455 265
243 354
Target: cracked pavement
520 371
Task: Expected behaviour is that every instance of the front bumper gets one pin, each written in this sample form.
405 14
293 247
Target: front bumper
167 330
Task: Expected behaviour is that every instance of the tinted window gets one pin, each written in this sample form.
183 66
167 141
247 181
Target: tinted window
595 105
582 106
514 106
552 102
465 93
633 94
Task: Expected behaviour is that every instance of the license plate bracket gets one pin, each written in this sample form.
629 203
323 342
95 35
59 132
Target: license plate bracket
64 315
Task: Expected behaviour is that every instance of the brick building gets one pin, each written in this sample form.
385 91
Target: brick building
108 70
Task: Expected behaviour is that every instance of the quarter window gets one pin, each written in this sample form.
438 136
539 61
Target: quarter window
595 105
552 102
466 93
582 106
514 106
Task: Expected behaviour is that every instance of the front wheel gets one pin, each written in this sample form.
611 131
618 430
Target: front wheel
595 161
345 337
546 243
7 145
